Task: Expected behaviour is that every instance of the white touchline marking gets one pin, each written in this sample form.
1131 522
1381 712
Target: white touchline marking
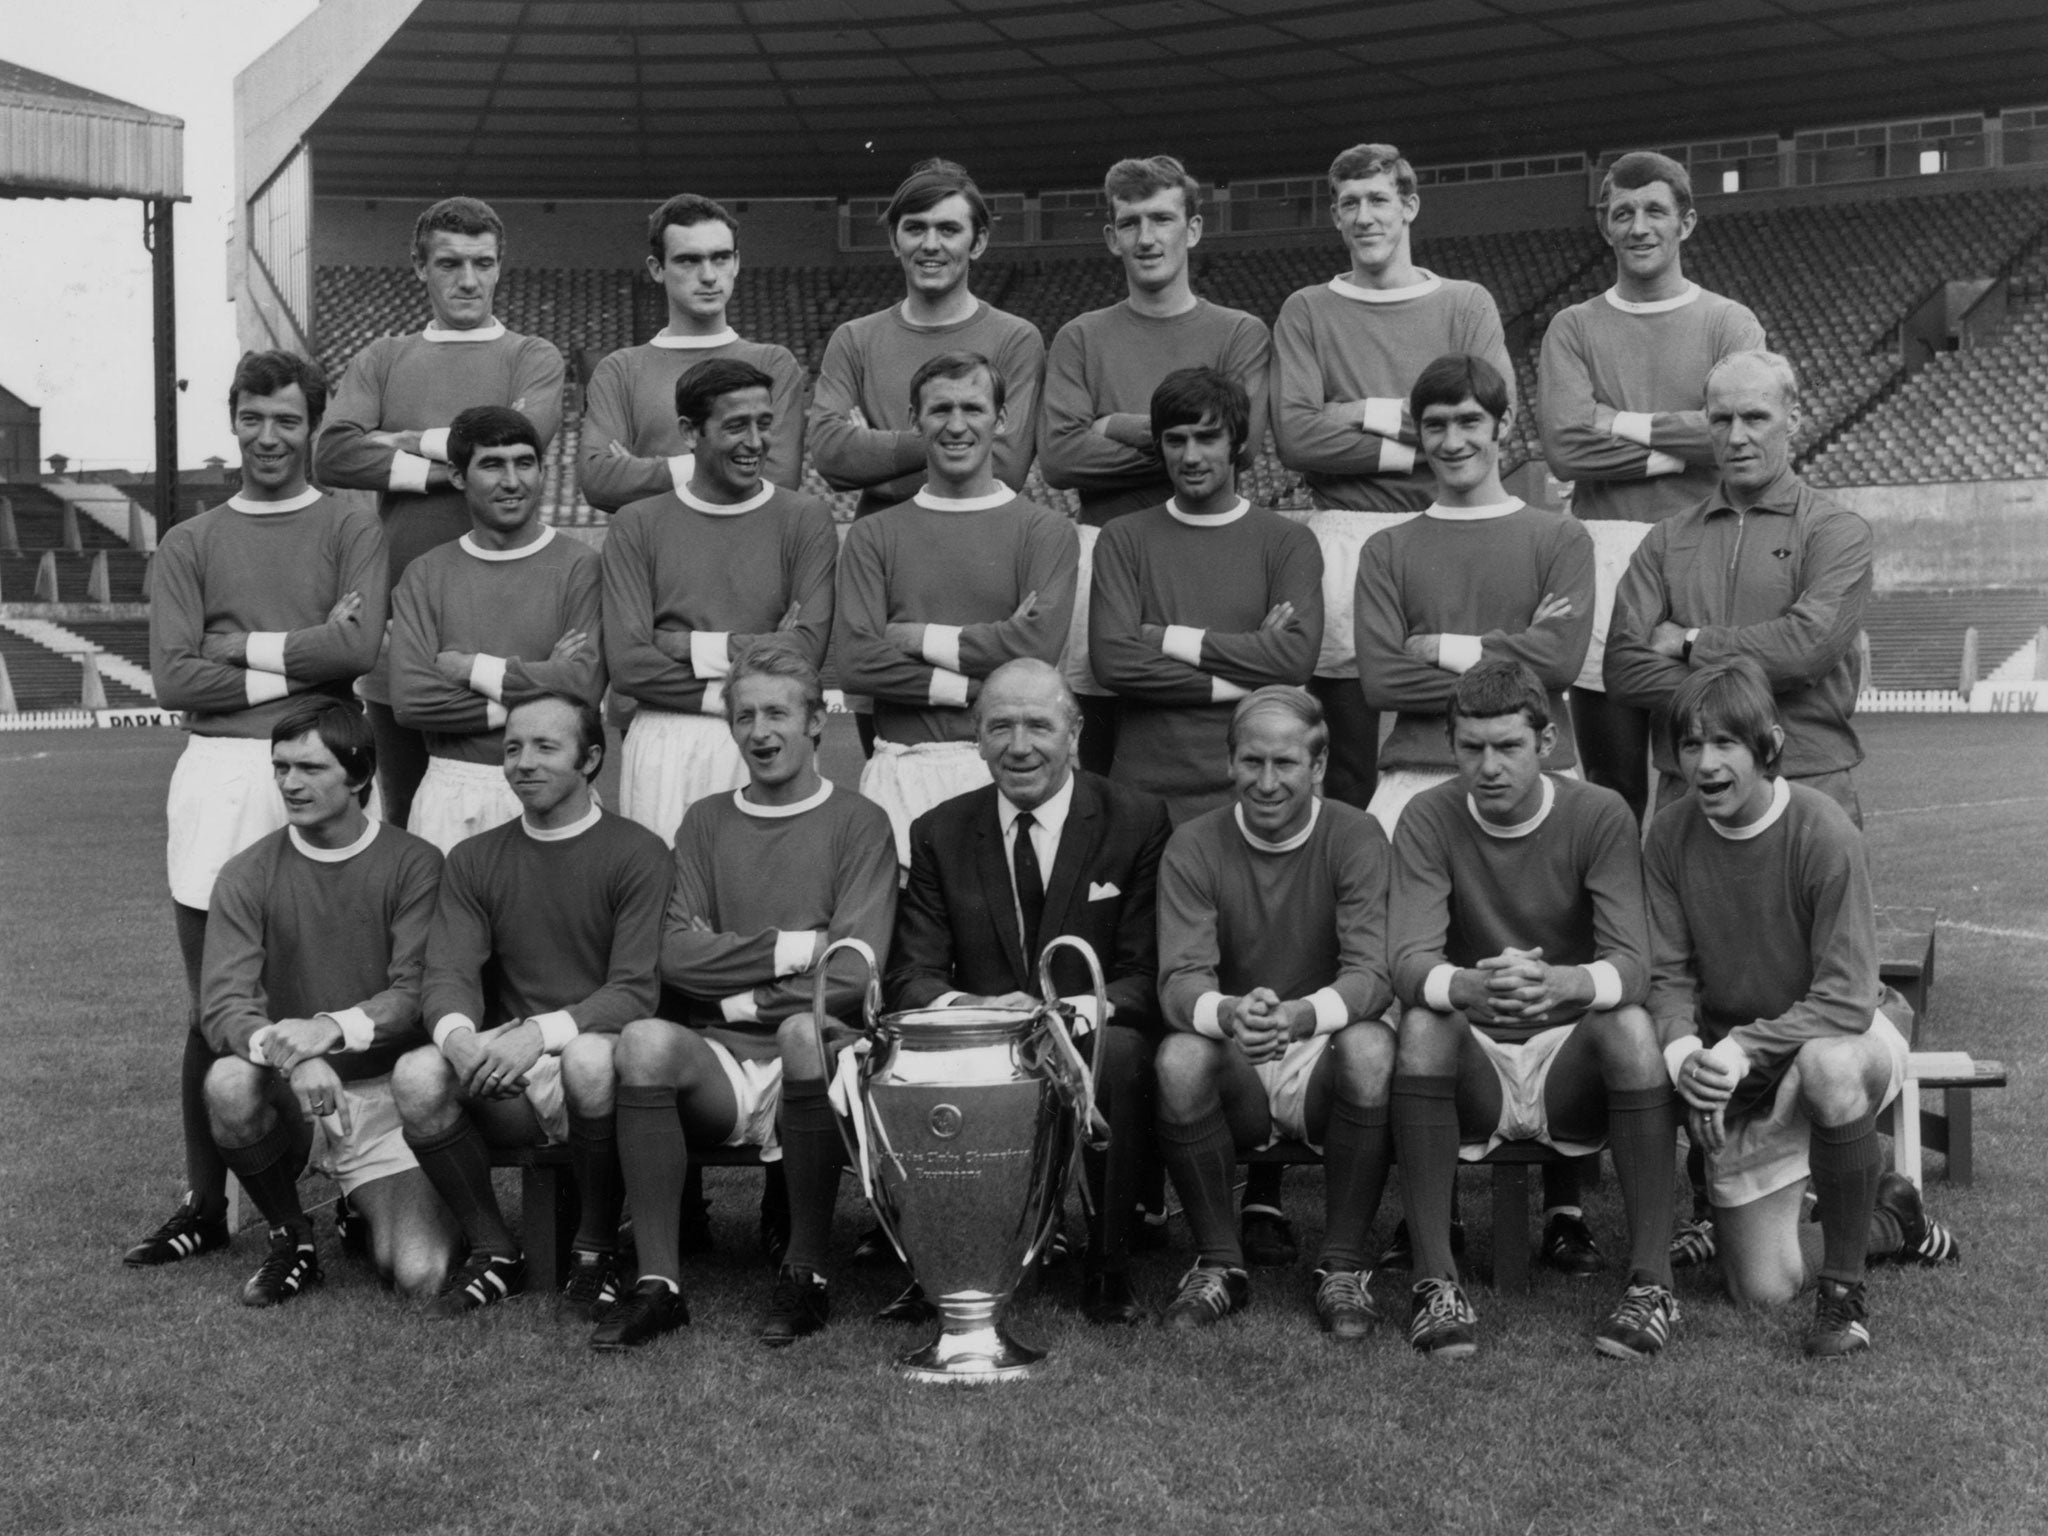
1880 812
1995 933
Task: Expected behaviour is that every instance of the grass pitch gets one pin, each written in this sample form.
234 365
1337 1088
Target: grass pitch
153 1401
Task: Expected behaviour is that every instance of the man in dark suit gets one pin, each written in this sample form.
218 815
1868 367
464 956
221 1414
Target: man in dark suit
1046 851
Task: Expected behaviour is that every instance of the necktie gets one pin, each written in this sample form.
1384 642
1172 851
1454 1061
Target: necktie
1030 885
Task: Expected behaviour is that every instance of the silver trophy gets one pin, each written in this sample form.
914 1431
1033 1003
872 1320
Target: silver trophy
964 1128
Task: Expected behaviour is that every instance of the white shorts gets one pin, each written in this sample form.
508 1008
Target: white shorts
757 1090
1767 1149
1342 535
1614 542
1523 1068
223 798
908 781
672 760
1074 663
373 1147
457 800
1286 1083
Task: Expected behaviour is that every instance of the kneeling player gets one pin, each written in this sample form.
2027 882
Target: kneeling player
765 878
1520 954
311 988
1272 930
1779 1036
543 948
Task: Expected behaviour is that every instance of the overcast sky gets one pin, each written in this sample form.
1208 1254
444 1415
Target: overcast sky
74 278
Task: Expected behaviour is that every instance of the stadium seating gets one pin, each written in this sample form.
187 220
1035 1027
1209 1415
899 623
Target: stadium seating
44 679
1916 638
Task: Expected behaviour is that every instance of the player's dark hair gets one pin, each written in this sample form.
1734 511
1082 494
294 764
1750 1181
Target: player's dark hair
1455 378
488 426
1639 168
953 365
1495 688
1134 180
684 210
1298 704
265 373
343 729
1187 395
1732 696
775 655
589 725
1361 161
929 184
698 390
457 216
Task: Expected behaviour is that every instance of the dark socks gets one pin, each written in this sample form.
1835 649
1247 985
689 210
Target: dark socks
811 1154
1201 1159
206 1172
458 1164
1262 1184
1847 1164
1358 1143
1425 1114
270 1173
1639 1131
594 1160
654 1157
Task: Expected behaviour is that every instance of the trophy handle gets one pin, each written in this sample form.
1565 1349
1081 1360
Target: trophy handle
1094 1129
871 1010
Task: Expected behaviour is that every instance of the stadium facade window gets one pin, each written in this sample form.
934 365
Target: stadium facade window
1933 162
1731 180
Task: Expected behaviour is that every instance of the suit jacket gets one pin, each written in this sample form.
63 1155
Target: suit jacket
956 924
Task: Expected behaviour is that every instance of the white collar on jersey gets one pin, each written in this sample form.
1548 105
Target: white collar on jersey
490 330
297 503
471 547
562 834
1781 796
760 498
778 812
693 343
994 498
1506 508
1651 306
1213 520
1315 812
1344 288
1520 828
334 855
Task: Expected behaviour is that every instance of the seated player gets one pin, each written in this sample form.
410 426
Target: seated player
937 592
312 989
1199 601
996 875
1272 977
506 612
1777 1032
691 575
765 879
1520 955
544 947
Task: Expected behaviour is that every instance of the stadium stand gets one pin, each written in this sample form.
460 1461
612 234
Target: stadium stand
1916 638
46 679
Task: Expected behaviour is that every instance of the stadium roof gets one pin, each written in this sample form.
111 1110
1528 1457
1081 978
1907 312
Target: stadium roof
62 140
816 98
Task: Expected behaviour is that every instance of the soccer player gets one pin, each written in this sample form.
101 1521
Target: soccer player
1200 601
1520 955
862 436
765 879
388 431
692 575
936 593
1765 567
1620 404
312 989
997 874
506 612
1777 1032
1345 354
544 946
277 594
1272 977
633 446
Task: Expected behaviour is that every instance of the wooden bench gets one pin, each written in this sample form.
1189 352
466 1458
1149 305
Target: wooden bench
1905 947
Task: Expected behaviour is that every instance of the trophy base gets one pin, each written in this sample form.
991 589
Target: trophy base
978 1354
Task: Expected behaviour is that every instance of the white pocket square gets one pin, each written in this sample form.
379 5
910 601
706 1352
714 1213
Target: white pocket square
1103 891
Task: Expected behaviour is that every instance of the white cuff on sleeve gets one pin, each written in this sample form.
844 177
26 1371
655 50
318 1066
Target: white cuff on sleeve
714 700
1084 1009
487 677
1662 463
1382 416
739 1009
1223 691
263 651
1331 1014
793 950
409 473
1207 1016
495 715
358 1029
262 687
1395 458
942 646
1183 642
448 1026
1731 1056
1606 985
1436 988
1458 653
557 1029
259 1043
1633 427
680 467
1677 1054
434 444
948 690
710 652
